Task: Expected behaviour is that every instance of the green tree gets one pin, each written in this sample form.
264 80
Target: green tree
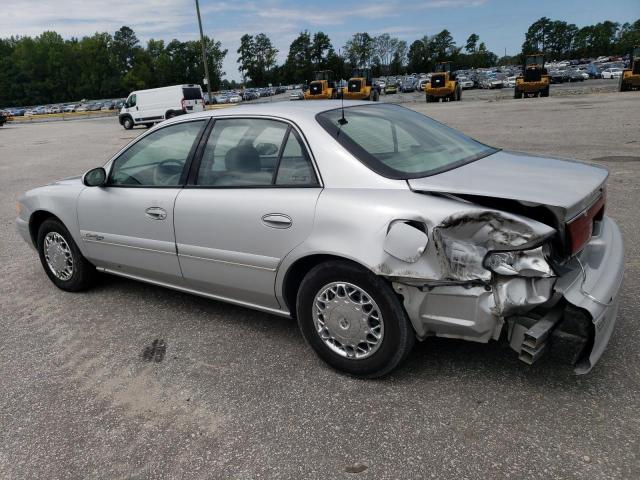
321 49
298 66
417 57
472 43
359 50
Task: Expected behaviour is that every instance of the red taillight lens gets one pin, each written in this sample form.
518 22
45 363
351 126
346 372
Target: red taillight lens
580 228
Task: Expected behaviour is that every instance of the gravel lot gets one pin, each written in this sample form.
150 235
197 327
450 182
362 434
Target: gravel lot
239 395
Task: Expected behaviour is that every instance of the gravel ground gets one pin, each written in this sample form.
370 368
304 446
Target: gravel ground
239 395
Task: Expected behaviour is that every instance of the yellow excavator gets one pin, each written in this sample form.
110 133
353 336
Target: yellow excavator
443 85
360 86
534 81
322 87
630 78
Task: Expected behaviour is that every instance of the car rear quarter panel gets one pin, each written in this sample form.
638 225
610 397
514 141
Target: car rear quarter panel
353 224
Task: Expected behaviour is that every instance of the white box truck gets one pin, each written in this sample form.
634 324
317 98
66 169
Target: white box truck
146 107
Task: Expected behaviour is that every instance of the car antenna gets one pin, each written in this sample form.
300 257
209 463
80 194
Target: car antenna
342 121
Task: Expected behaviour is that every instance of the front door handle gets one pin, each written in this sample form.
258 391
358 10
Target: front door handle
277 220
156 213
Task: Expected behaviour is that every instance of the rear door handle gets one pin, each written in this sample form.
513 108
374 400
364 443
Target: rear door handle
156 213
277 220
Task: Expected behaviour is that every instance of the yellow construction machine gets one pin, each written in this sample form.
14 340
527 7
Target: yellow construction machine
360 86
443 85
630 78
323 86
534 81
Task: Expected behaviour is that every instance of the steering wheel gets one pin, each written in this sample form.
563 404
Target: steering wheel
167 172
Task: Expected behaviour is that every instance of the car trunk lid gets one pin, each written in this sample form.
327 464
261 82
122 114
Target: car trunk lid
571 190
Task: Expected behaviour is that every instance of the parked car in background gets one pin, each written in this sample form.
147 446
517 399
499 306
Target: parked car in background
465 82
221 99
390 88
610 73
16 112
106 106
235 98
574 75
146 107
94 107
510 82
36 111
456 241
82 107
296 95
70 108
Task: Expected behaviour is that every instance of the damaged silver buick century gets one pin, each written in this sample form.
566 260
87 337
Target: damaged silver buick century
371 224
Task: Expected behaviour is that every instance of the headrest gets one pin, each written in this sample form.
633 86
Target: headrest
243 158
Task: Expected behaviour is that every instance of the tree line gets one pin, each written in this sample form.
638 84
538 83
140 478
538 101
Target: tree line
50 69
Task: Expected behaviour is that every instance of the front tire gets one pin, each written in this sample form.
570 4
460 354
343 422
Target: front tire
127 123
61 259
353 319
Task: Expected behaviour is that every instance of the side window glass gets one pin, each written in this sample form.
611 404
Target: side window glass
241 152
295 167
158 159
132 100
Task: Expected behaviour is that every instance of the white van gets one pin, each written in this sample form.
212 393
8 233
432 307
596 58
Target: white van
146 107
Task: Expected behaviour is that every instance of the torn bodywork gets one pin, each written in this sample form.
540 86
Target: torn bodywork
495 276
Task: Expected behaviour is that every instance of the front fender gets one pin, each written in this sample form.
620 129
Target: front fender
58 199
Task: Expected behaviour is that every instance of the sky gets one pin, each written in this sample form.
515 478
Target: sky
501 24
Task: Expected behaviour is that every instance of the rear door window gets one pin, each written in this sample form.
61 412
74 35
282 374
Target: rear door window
245 152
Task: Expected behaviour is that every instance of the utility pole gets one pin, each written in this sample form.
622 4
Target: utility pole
204 52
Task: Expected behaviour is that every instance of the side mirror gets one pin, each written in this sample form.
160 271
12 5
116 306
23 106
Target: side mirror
95 177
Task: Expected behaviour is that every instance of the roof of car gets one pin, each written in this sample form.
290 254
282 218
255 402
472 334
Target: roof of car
285 109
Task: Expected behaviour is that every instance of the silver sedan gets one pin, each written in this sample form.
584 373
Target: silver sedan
371 224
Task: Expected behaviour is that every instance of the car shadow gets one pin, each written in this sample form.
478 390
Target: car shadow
431 358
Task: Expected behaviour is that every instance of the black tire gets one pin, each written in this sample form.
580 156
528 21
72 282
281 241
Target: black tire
376 96
398 338
622 85
83 273
517 93
148 125
169 115
127 123
545 92
458 94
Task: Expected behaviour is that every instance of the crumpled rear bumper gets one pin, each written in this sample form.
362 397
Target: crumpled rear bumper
593 286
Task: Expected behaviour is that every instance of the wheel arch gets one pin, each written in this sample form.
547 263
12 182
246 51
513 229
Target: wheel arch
122 116
299 268
36 219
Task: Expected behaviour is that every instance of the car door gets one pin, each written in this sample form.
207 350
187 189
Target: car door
251 199
127 225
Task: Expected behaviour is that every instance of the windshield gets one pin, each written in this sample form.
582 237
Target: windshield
398 143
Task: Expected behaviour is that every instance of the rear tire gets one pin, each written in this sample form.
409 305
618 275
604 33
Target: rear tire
61 259
545 92
367 303
517 93
169 115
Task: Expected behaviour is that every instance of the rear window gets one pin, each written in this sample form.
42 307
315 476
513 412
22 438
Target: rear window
192 93
399 143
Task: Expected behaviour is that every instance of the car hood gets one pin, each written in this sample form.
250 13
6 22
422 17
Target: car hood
565 186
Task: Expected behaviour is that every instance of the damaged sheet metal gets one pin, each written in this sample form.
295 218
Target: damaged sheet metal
405 242
470 311
521 295
527 263
463 240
